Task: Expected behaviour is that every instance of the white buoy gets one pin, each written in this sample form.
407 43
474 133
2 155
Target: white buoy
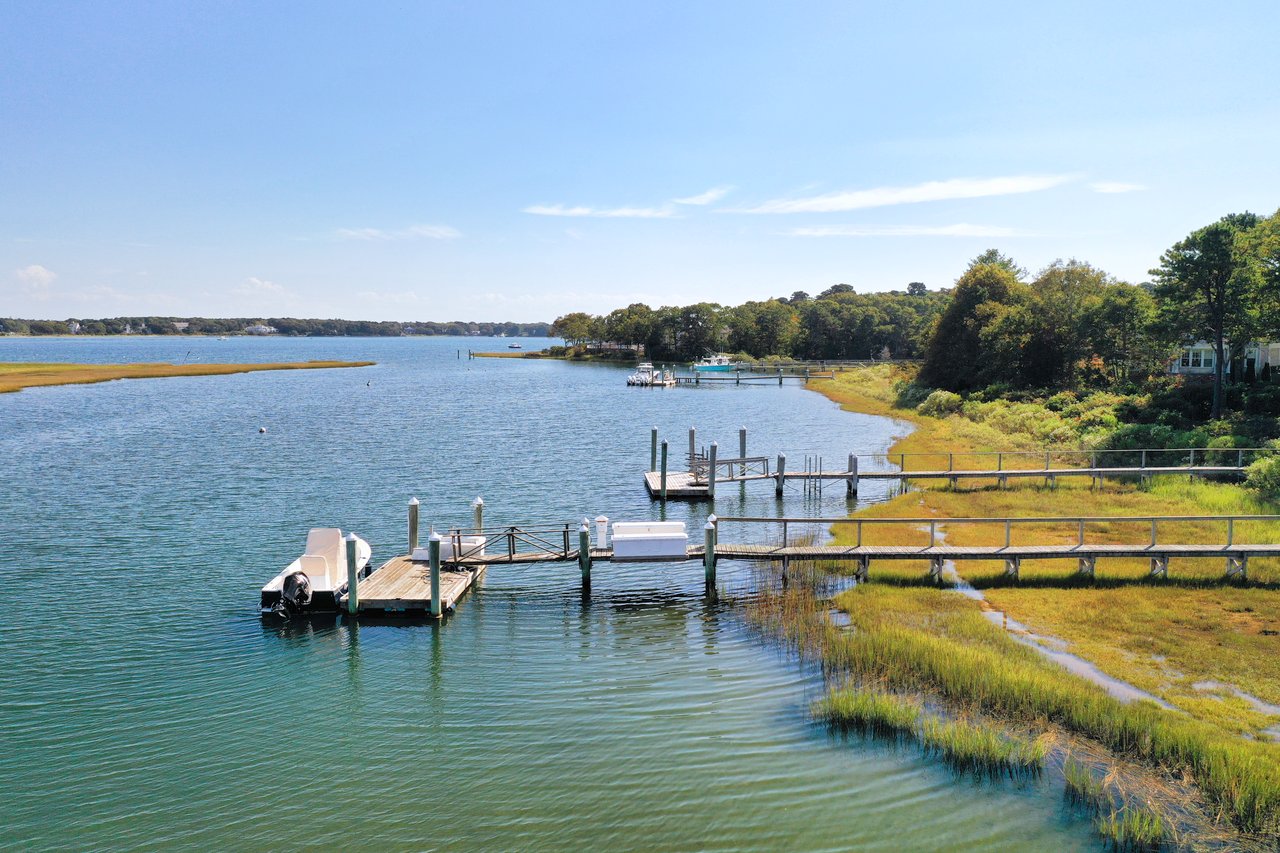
262 429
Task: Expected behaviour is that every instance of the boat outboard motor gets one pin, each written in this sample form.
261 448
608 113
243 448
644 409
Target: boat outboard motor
295 594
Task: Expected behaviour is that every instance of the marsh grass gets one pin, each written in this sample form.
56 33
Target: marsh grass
982 749
14 376
870 712
1082 787
1132 828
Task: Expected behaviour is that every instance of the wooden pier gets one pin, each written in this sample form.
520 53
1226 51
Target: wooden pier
434 587
706 468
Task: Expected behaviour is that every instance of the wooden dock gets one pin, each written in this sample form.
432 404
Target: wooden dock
402 585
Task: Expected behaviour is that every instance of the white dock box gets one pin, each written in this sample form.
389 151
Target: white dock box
650 540
469 546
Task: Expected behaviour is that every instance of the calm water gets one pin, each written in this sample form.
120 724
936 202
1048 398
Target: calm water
144 703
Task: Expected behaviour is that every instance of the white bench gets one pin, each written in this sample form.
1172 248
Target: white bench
650 540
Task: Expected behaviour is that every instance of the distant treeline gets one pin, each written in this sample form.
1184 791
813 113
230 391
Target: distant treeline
288 326
836 324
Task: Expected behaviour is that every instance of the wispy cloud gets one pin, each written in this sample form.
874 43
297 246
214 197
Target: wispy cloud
253 286
955 188
664 212
960 229
709 197
1115 187
35 277
411 232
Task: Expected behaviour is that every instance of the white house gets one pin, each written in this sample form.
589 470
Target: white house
260 329
1199 358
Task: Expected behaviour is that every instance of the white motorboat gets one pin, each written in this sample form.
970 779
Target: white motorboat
314 582
648 376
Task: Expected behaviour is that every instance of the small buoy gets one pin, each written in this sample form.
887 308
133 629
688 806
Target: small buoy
262 429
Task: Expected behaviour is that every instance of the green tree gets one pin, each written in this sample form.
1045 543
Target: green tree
1205 288
576 328
1121 327
1064 298
954 357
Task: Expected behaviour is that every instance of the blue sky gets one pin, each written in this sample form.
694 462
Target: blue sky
517 161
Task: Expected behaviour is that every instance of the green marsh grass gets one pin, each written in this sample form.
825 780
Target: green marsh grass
866 711
1082 786
982 750
1130 828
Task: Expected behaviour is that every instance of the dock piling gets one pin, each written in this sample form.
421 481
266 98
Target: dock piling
653 449
742 448
711 471
353 580
851 485
602 531
782 473
664 470
584 552
433 555
413 524
478 506
709 551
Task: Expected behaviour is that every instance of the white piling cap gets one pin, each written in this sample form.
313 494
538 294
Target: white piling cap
711 519
604 519
413 501
585 528
435 537
478 502
350 537
710 525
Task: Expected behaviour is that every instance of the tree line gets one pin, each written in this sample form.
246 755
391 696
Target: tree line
1070 326
837 324
288 326
1073 325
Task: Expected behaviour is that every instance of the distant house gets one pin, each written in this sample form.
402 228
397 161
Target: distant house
259 329
73 327
1199 358
181 325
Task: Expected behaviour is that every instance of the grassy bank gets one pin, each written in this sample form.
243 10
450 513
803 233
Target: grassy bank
14 376
1168 639
568 354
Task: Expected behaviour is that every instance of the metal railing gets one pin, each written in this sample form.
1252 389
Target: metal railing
725 468
511 540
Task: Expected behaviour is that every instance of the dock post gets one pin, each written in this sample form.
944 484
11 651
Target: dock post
478 506
709 550
653 449
779 377
851 485
693 447
664 471
584 552
353 579
782 472
602 531
737 376
742 448
433 553
413 524
711 475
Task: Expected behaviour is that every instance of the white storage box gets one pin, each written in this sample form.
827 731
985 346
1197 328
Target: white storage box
470 546
650 540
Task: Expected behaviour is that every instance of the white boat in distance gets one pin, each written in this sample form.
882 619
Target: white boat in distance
313 582
718 363
648 376
514 346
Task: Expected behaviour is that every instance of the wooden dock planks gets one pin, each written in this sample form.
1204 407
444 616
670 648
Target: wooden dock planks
403 585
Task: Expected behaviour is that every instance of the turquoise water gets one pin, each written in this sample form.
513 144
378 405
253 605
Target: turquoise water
145 704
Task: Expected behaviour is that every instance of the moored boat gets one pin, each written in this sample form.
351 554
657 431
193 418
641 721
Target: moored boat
648 376
314 582
718 363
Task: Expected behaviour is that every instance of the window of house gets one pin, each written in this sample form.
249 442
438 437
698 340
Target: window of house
1186 358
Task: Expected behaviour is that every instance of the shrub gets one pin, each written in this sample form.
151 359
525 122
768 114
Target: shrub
908 395
941 403
1060 401
1263 476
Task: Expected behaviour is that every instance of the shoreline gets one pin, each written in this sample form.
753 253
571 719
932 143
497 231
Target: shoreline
1122 630
16 376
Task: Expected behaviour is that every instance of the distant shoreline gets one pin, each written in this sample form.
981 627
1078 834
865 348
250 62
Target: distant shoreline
15 376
